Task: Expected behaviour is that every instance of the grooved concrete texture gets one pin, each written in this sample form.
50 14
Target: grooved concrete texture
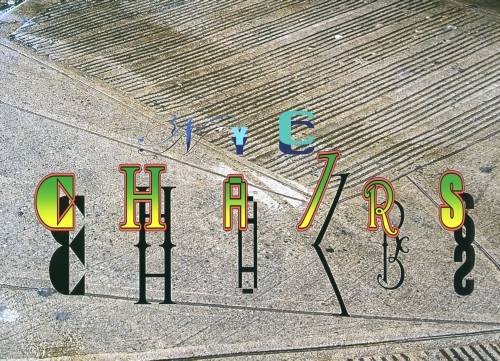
391 83
404 89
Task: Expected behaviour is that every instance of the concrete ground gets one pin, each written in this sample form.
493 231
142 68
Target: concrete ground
404 89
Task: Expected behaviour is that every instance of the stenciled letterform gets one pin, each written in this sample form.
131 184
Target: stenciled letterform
286 141
235 197
388 260
239 138
380 211
330 158
150 220
452 210
55 201
454 217
151 197
464 237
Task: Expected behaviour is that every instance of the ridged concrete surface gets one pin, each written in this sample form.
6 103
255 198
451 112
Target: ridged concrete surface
393 84
405 89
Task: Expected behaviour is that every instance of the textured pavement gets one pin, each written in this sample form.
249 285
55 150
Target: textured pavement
406 90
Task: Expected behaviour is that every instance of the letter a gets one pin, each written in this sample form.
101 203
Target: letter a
235 197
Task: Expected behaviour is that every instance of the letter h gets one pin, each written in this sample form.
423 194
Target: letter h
248 269
166 245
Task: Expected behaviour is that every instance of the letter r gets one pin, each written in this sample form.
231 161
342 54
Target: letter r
377 211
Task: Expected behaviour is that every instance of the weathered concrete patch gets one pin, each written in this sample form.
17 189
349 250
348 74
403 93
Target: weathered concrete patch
7 314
